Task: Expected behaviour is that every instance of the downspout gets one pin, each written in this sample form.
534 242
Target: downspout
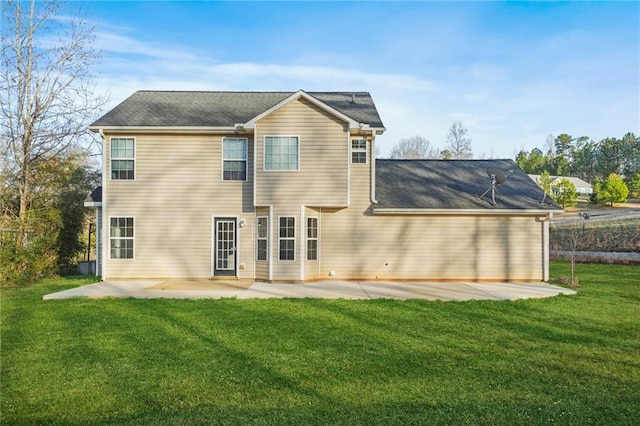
255 165
105 225
270 235
373 168
303 241
545 246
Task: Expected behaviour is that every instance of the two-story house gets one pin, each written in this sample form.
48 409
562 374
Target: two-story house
284 186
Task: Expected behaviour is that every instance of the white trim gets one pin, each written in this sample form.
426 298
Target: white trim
222 159
133 254
170 129
255 168
373 169
258 238
461 212
103 180
213 237
264 153
303 246
545 248
302 94
93 204
288 238
348 169
317 239
135 161
366 149
270 245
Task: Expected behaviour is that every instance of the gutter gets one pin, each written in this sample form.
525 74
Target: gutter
171 129
463 212
105 170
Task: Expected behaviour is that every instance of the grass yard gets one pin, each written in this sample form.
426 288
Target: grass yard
564 360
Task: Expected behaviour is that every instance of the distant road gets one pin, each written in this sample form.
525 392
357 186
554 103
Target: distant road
597 216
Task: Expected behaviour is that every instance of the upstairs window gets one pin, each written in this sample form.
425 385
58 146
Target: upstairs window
281 153
358 151
123 158
234 159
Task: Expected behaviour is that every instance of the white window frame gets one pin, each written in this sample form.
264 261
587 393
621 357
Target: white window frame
246 160
316 238
358 150
131 238
265 238
112 158
264 153
281 239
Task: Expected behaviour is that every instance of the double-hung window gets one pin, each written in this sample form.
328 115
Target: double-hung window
287 240
312 238
234 159
281 153
123 157
358 151
263 235
121 237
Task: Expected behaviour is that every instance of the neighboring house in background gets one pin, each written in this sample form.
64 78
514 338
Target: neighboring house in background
582 187
283 186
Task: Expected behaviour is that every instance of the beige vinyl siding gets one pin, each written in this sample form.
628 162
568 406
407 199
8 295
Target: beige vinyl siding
432 247
358 245
177 190
323 161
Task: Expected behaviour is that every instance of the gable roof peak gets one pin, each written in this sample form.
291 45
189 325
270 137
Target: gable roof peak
216 109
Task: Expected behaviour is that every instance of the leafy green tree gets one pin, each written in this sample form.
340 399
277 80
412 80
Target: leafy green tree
613 190
533 162
445 154
544 182
566 194
634 186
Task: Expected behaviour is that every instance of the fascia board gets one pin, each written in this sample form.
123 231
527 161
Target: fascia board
172 129
92 204
464 212
301 93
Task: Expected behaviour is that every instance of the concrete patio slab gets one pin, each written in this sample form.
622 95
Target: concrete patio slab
445 291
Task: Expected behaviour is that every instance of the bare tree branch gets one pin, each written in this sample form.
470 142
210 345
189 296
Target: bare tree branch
47 91
415 147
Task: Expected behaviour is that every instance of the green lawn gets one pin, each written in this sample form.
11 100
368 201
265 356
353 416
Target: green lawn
565 360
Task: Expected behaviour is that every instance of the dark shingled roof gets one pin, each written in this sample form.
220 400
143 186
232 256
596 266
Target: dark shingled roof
454 184
214 109
95 196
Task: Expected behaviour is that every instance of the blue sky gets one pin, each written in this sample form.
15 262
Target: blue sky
512 72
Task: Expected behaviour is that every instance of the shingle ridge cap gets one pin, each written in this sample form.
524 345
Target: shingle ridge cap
252 91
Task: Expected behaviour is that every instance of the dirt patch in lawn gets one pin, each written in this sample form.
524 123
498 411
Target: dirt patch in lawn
202 284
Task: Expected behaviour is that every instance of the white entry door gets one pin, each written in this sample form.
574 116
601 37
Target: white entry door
225 254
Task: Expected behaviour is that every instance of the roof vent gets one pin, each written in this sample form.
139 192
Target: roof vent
353 98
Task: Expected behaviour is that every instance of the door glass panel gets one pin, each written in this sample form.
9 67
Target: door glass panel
225 245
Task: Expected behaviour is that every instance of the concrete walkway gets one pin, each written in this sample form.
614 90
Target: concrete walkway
324 290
